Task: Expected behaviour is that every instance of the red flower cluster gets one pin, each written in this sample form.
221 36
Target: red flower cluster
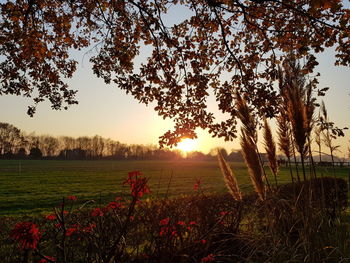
115 205
76 228
209 258
27 234
43 260
97 212
197 185
165 230
164 221
51 217
223 213
72 198
138 184
70 231
168 230
181 223
175 229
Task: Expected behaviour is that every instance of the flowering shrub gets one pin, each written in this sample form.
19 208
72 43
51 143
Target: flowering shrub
199 228
138 184
27 234
97 212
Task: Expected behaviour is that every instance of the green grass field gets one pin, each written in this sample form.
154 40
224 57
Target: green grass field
32 187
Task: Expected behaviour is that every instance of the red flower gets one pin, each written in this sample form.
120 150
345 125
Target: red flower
163 231
43 260
89 228
209 258
223 213
192 223
27 234
97 212
138 184
181 223
72 198
51 217
71 231
197 185
114 205
168 230
203 241
164 221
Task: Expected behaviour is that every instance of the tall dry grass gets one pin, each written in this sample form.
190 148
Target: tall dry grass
229 178
253 163
270 148
284 139
249 140
299 107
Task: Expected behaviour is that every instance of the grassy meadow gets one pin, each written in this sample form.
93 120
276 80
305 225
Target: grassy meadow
35 186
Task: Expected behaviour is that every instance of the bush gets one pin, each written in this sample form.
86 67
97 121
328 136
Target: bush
198 228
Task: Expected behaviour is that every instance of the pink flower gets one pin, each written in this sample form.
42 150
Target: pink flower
193 223
164 221
97 212
27 234
209 258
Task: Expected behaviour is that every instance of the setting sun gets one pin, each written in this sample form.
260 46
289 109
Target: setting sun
187 145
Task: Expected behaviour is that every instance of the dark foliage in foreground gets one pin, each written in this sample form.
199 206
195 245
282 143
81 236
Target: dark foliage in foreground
198 228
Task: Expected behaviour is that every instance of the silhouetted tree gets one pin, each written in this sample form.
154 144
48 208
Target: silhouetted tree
214 47
21 154
10 139
35 153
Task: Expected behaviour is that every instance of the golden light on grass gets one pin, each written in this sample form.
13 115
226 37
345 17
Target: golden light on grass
187 145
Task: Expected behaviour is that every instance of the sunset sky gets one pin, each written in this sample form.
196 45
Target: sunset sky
109 112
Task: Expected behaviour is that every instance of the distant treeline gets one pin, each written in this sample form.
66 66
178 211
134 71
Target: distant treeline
15 144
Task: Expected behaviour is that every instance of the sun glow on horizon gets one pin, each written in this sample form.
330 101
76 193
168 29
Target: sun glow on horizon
187 145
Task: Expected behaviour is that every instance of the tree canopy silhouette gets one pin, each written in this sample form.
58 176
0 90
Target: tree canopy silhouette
211 47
